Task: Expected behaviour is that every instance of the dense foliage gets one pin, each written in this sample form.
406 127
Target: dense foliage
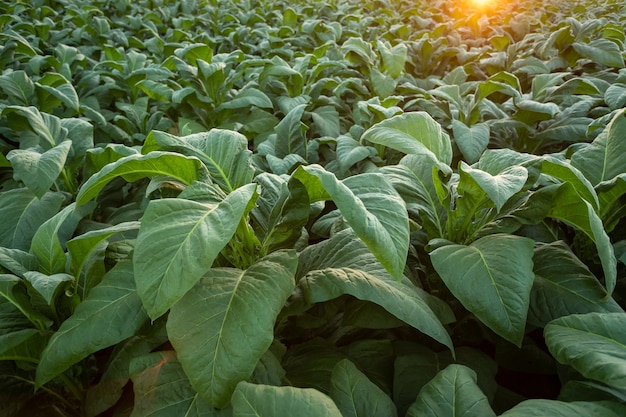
312 208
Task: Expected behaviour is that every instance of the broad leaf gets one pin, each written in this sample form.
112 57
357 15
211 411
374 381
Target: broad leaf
371 206
540 408
23 213
267 401
564 285
82 246
327 121
350 151
609 193
594 344
394 58
135 167
111 313
343 265
499 188
602 51
9 341
290 137
601 160
17 261
492 278
48 286
452 392
12 290
38 170
59 87
246 99
177 243
357 396
412 133
43 129
615 96
18 87
110 387
568 173
282 211
570 207
224 153
163 390
46 244
223 326
472 141
413 179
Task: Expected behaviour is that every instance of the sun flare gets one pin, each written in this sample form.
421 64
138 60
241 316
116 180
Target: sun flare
483 4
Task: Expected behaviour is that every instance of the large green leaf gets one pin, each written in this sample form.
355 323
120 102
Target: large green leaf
327 121
163 390
371 206
609 195
394 58
602 160
39 170
492 278
82 246
246 99
177 243
413 179
290 137
544 408
111 313
472 141
570 207
18 261
37 128
59 87
568 173
115 377
223 326
452 392
9 341
564 285
18 87
357 396
46 245
343 265
282 211
135 167
19 304
267 401
48 286
22 213
615 96
412 133
224 153
349 152
602 51
499 188
594 344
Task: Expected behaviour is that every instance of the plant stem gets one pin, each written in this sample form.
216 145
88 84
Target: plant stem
72 387
47 390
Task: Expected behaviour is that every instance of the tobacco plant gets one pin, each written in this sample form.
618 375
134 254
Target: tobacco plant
219 208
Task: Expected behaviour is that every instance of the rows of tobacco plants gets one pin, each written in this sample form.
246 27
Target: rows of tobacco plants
312 208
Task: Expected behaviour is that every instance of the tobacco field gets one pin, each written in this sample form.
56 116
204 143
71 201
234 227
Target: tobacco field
333 208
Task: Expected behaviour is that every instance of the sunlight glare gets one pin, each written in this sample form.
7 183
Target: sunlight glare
482 4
